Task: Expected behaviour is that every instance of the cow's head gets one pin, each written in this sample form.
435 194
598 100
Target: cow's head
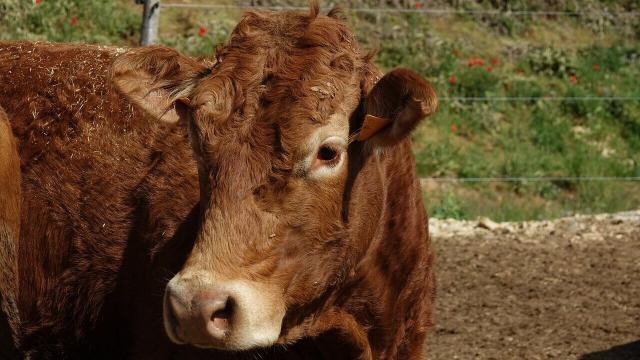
270 123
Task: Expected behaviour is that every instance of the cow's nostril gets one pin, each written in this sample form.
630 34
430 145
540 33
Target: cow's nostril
221 318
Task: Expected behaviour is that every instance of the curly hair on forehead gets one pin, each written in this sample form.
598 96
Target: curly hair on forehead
286 58
270 42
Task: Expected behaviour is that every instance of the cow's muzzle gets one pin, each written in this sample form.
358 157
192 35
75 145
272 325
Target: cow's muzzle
227 315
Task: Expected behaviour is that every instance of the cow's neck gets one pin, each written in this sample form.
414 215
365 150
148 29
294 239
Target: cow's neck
388 220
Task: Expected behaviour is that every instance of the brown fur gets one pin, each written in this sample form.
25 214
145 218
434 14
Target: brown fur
9 232
112 207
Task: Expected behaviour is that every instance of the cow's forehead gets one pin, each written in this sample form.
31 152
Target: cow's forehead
319 98
291 57
296 74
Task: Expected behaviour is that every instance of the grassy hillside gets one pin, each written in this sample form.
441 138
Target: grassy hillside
594 54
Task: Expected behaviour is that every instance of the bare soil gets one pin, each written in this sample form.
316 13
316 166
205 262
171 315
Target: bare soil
562 289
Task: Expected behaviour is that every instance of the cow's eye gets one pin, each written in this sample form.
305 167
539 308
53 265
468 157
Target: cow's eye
328 155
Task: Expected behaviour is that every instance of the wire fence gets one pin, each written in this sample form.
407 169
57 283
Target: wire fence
525 179
441 12
432 11
542 98
428 11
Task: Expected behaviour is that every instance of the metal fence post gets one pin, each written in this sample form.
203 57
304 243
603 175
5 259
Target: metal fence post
150 21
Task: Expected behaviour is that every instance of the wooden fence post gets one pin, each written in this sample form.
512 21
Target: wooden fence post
150 21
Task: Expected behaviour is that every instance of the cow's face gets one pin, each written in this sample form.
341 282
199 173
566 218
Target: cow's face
270 124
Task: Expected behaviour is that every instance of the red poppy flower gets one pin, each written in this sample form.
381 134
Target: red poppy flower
573 79
454 128
453 80
202 31
37 2
475 62
596 67
73 21
419 5
489 69
495 61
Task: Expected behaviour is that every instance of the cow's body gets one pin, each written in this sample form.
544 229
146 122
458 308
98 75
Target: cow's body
110 213
99 180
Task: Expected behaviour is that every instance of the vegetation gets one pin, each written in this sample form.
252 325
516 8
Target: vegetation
97 22
591 54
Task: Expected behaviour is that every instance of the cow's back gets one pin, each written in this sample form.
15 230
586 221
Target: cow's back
88 159
9 232
59 99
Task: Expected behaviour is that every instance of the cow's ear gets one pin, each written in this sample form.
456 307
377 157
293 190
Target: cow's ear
395 106
157 78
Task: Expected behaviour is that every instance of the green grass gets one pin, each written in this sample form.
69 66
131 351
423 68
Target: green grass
463 56
97 22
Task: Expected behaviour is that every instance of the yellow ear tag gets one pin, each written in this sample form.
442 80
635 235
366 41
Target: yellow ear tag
371 125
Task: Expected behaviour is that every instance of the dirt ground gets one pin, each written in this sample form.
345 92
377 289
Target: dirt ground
563 289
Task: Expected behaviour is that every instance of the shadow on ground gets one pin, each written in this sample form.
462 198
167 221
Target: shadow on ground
630 351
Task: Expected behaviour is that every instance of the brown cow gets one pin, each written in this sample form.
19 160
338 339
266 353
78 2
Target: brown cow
9 233
265 202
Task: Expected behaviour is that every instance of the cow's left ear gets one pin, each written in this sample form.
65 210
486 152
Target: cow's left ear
157 78
395 106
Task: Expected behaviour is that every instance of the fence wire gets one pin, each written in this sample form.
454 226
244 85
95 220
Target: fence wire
436 12
444 12
532 179
542 98
429 11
